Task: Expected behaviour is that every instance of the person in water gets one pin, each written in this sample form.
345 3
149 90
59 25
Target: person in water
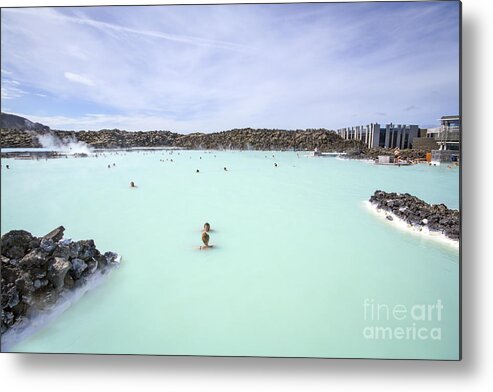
132 185
207 227
225 168
205 240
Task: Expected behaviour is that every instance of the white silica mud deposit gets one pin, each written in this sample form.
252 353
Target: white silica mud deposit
421 231
298 267
410 213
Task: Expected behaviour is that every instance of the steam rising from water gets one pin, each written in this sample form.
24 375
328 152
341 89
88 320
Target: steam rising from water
68 145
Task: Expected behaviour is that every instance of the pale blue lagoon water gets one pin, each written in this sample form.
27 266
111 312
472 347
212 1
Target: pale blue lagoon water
296 254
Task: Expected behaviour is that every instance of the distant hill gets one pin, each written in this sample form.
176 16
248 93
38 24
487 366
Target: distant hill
11 121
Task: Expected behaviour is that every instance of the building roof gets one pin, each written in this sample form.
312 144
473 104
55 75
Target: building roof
456 117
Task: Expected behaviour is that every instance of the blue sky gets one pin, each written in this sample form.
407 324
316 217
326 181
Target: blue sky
210 68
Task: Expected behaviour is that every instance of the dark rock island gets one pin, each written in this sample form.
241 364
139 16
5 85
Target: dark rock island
37 273
419 214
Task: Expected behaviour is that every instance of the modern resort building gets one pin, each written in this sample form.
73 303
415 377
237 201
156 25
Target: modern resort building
442 143
447 135
375 135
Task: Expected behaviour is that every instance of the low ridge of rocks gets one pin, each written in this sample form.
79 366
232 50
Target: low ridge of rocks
236 139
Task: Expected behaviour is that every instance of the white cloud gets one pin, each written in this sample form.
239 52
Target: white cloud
11 90
73 77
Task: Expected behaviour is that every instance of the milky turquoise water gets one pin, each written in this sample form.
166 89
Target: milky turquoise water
296 254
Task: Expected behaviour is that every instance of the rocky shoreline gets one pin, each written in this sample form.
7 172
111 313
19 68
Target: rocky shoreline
236 139
19 132
37 273
410 155
419 214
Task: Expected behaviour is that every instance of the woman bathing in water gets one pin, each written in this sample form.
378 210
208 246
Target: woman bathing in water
205 240
205 236
132 184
